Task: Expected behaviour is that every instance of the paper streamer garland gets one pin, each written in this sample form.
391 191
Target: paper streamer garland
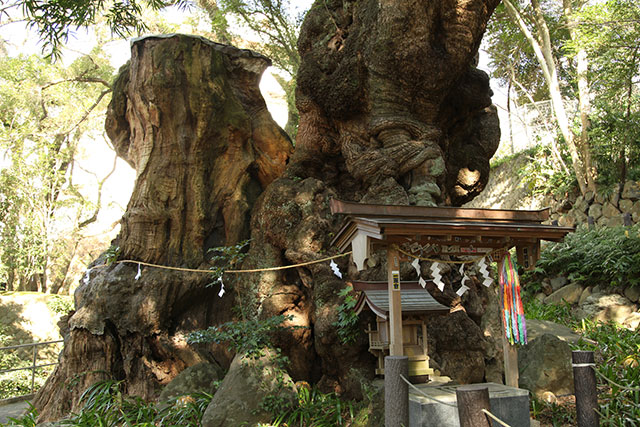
335 268
515 327
222 291
484 272
416 264
437 276
139 273
463 287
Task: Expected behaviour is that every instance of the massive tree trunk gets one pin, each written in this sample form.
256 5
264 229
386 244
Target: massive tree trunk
187 114
392 110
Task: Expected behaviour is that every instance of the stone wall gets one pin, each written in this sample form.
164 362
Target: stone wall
601 208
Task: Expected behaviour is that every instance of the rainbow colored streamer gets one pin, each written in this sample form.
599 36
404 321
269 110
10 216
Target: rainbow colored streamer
513 321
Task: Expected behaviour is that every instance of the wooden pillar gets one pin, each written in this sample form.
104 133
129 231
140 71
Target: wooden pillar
395 307
471 401
510 353
584 381
396 391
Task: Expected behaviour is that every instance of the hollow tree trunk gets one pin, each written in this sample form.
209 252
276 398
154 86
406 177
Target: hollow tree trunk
187 114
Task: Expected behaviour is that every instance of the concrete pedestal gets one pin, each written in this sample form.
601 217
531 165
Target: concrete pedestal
510 404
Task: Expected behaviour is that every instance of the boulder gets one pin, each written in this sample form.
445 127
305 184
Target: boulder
606 308
586 293
545 366
248 382
610 211
631 190
194 379
570 293
633 321
595 211
625 205
558 282
536 328
632 293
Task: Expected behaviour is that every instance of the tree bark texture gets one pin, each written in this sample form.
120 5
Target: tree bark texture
187 114
392 110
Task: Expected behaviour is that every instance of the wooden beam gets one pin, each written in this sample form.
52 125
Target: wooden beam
510 353
395 306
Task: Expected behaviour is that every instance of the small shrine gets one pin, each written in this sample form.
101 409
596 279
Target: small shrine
414 233
417 303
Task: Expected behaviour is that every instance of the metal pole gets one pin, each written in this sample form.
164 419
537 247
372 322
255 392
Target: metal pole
471 401
33 367
396 391
584 381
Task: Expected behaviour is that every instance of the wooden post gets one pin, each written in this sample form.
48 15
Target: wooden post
395 307
510 354
584 381
471 401
396 391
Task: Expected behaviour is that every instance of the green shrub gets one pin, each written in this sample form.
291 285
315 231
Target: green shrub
607 256
316 409
60 304
347 323
617 356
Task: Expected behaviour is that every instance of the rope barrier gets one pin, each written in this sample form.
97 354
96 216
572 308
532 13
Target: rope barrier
444 261
496 419
452 405
196 270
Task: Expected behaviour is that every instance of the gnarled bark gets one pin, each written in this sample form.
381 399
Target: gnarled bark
187 114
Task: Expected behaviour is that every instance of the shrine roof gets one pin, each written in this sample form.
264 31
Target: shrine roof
414 299
396 224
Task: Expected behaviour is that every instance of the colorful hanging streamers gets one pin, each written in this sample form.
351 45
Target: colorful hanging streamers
483 268
515 327
335 269
437 276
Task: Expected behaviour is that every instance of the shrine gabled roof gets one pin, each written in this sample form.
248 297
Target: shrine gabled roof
395 223
414 299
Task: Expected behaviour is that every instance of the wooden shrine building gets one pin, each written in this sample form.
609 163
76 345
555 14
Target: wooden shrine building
434 232
417 303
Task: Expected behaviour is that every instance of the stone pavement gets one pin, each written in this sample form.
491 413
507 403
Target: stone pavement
12 410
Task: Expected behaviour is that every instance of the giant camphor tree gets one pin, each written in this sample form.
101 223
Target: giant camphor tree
392 110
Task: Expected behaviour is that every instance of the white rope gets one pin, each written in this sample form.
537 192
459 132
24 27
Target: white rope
583 365
496 419
453 405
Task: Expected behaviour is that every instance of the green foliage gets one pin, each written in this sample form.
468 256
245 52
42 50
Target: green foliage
609 256
56 20
617 353
316 409
553 414
226 257
560 313
60 304
246 337
112 254
29 419
347 318
45 109
541 174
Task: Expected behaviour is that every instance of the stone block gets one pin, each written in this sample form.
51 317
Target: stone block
631 190
610 211
589 196
558 282
625 205
586 293
632 293
545 365
604 308
510 404
595 211
600 199
570 293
